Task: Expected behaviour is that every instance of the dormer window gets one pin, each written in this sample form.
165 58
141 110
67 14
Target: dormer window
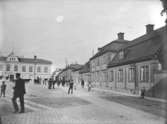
12 58
121 54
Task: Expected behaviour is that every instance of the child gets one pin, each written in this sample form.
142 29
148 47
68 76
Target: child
3 89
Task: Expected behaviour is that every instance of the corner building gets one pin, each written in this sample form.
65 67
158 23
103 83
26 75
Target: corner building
29 68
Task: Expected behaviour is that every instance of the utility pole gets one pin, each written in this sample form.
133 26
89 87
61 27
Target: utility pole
35 62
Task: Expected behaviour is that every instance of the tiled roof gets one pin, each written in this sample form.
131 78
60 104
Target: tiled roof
29 60
2 58
113 46
76 67
86 68
73 67
144 48
39 61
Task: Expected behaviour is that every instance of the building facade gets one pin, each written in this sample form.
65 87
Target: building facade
99 62
129 65
135 66
71 72
29 68
85 73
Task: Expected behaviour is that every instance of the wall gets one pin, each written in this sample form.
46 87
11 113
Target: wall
136 84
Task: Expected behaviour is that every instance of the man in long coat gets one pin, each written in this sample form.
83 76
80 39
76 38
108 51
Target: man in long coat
19 91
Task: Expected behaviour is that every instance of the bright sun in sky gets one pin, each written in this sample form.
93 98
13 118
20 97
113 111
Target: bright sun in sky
60 19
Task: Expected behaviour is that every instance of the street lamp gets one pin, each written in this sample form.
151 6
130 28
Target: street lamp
35 62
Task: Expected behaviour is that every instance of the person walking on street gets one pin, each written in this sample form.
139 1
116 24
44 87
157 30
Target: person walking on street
143 91
19 92
3 89
82 83
89 86
71 84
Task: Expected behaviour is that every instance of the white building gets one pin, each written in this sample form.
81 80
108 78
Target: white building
29 68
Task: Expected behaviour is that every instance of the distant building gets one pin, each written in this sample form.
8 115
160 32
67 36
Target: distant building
29 68
70 72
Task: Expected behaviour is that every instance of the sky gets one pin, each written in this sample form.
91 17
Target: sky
71 30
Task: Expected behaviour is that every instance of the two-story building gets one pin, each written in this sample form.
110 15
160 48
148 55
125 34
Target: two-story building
29 68
99 62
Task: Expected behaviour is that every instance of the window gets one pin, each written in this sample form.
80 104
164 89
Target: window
111 76
159 67
105 76
30 69
121 55
144 73
120 75
46 69
24 68
131 74
15 67
38 69
8 67
1 67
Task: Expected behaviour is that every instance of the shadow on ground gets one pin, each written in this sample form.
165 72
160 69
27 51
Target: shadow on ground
153 107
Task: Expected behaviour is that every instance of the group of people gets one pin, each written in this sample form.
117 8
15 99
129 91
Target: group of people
19 89
89 85
52 82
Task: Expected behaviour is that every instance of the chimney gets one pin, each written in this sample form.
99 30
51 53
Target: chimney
35 57
149 28
120 36
99 49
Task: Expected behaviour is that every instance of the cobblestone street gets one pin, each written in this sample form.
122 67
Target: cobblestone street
55 106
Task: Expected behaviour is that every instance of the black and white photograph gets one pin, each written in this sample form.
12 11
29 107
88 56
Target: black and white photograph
83 61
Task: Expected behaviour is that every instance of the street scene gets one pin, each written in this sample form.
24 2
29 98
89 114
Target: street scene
56 106
83 62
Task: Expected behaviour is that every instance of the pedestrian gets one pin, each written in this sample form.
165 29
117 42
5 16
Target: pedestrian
143 91
3 89
70 90
63 81
53 83
19 92
82 83
50 83
89 86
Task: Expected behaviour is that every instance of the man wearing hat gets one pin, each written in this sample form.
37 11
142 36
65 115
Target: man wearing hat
19 91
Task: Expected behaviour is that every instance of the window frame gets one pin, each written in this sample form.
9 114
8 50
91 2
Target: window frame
131 74
30 68
144 73
8 67
112 75
23 68
120 76
38 69
16 68
46 69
